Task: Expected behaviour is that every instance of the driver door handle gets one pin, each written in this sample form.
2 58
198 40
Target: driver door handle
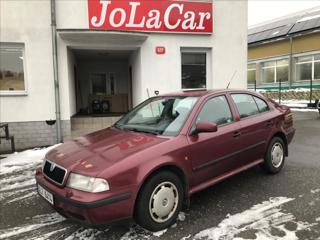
269 123
236 134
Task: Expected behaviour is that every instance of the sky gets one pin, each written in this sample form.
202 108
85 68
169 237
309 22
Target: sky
261 10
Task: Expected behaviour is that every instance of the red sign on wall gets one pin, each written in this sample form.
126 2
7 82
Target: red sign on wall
160 50
151 15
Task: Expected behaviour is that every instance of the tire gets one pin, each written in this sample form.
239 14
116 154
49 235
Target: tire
159 201
275 156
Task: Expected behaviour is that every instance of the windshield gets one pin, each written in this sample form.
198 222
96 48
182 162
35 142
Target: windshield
160 115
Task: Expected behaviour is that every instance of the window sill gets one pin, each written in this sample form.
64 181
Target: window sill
13 93
193 89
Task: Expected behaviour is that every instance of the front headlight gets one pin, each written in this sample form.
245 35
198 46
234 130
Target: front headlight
87 184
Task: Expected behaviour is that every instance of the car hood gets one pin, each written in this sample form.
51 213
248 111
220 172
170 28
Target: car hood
93 153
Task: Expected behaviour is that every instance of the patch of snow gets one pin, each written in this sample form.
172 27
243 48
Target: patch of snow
137 233
285 90
160 233
181 216
37 222
48 236
85 234
5 195
174 225
315 190
294 102
261 218
308 18
303 110
18 185
186 237
23 197
23 160
318 219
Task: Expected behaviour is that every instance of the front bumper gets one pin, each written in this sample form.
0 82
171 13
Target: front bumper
102 208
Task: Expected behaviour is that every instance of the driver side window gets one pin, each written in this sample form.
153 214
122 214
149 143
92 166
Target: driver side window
216 110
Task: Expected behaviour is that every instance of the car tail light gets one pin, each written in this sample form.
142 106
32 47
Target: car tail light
288 118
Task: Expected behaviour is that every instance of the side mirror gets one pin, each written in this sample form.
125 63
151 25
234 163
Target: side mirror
203 127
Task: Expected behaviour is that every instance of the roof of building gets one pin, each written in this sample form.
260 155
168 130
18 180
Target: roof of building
297 23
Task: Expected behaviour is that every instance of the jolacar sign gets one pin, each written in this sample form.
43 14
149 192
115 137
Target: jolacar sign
151 15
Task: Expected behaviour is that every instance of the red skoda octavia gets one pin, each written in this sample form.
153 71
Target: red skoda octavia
155 157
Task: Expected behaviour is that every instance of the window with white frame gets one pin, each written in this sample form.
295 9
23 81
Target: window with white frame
194 70
12 78
251 70
275 71
307 68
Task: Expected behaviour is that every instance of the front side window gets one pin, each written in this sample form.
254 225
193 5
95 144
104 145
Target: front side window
161 116
194 70
251 73
11 70
275 71
216 110
245 104
308 68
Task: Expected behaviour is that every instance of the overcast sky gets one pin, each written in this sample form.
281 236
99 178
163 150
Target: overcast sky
261 10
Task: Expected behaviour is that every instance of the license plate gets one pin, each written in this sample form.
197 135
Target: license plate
44 193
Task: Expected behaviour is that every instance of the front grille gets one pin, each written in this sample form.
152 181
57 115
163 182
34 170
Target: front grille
55 173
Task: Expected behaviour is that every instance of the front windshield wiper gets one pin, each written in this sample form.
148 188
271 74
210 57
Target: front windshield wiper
117 126
154 132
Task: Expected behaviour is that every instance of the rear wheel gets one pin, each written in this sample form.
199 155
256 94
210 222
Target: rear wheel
275 156
159 202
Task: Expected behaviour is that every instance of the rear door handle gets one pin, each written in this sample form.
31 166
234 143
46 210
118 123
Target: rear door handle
236 134
269 123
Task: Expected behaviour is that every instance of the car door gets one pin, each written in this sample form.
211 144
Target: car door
255 126
214 153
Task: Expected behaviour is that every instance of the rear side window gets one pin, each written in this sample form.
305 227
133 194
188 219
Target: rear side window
216 110
262 105
245 104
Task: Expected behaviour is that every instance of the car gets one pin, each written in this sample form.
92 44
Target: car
148 164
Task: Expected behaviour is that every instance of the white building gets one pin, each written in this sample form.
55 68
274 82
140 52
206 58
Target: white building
115 52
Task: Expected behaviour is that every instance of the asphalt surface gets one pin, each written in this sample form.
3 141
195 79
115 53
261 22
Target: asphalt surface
249 205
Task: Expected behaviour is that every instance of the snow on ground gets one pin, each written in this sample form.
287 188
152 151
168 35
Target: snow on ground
17 162
85 234
17 172
294 103
37 222
315 190
303 109
264 219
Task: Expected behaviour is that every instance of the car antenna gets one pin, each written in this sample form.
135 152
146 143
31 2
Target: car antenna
231 78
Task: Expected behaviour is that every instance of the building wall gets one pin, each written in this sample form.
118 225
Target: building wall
227 47
303 43
19 24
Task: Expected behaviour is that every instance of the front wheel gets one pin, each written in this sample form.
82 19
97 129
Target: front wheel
275 156
159 201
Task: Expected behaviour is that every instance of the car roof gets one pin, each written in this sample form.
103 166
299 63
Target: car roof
201 93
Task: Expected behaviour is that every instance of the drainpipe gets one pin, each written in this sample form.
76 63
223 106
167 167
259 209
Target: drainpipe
55 71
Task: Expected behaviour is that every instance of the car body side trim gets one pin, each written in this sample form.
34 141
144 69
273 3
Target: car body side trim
215 180
215 161
96 204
